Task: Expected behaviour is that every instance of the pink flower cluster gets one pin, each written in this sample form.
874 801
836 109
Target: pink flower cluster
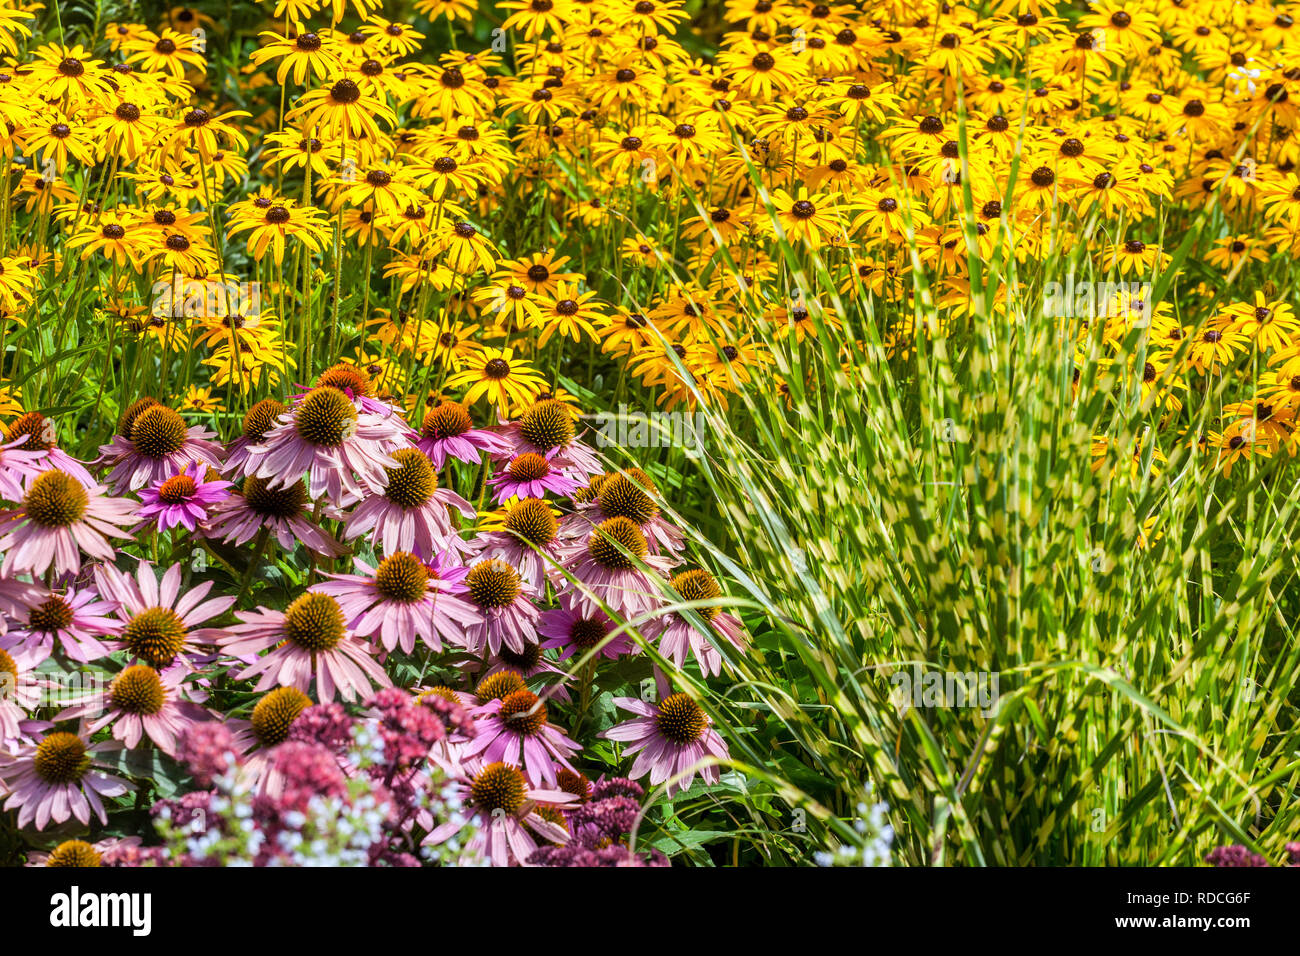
575 569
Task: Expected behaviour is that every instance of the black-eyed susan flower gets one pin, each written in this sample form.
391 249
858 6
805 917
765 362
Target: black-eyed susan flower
497 375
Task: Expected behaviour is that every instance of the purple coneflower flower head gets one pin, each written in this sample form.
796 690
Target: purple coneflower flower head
531 475
678 637
58 519
308 639
255 739
509 618
357 384
672 740
528 540
282 511
342 451
410 512
73 622
258 420
627 494
509 814
157 618
607 567
34 439
183 500
516 729
58 777
399 601
84 855
547 429
20 691
141 702
153 444
448 432
576 633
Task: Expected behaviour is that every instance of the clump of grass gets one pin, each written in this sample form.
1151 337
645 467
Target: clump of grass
964 503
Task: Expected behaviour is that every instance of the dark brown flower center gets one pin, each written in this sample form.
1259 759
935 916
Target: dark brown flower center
158 431
532 521
177 489
625 496
275 713
498 787
55 499
138 690
523 713
492 583
61 758
611 538
412 483
74 853
39 430
446 421
402 577
261 418
345 92
325 417
314 622
155 635
680 719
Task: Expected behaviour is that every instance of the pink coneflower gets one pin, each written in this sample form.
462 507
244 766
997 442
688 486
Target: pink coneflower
607 568
517 726
678 637
508 814
574 632
258 420
399 601
59 518
411 513
509 618
56 777
281 511
37 434
448 432
73 620
84 855
141 702
531 475
357 384
254 740
183 500
671 739
157 618
529 541
155 444
547 429
342 451
628 494
20 692
307 639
